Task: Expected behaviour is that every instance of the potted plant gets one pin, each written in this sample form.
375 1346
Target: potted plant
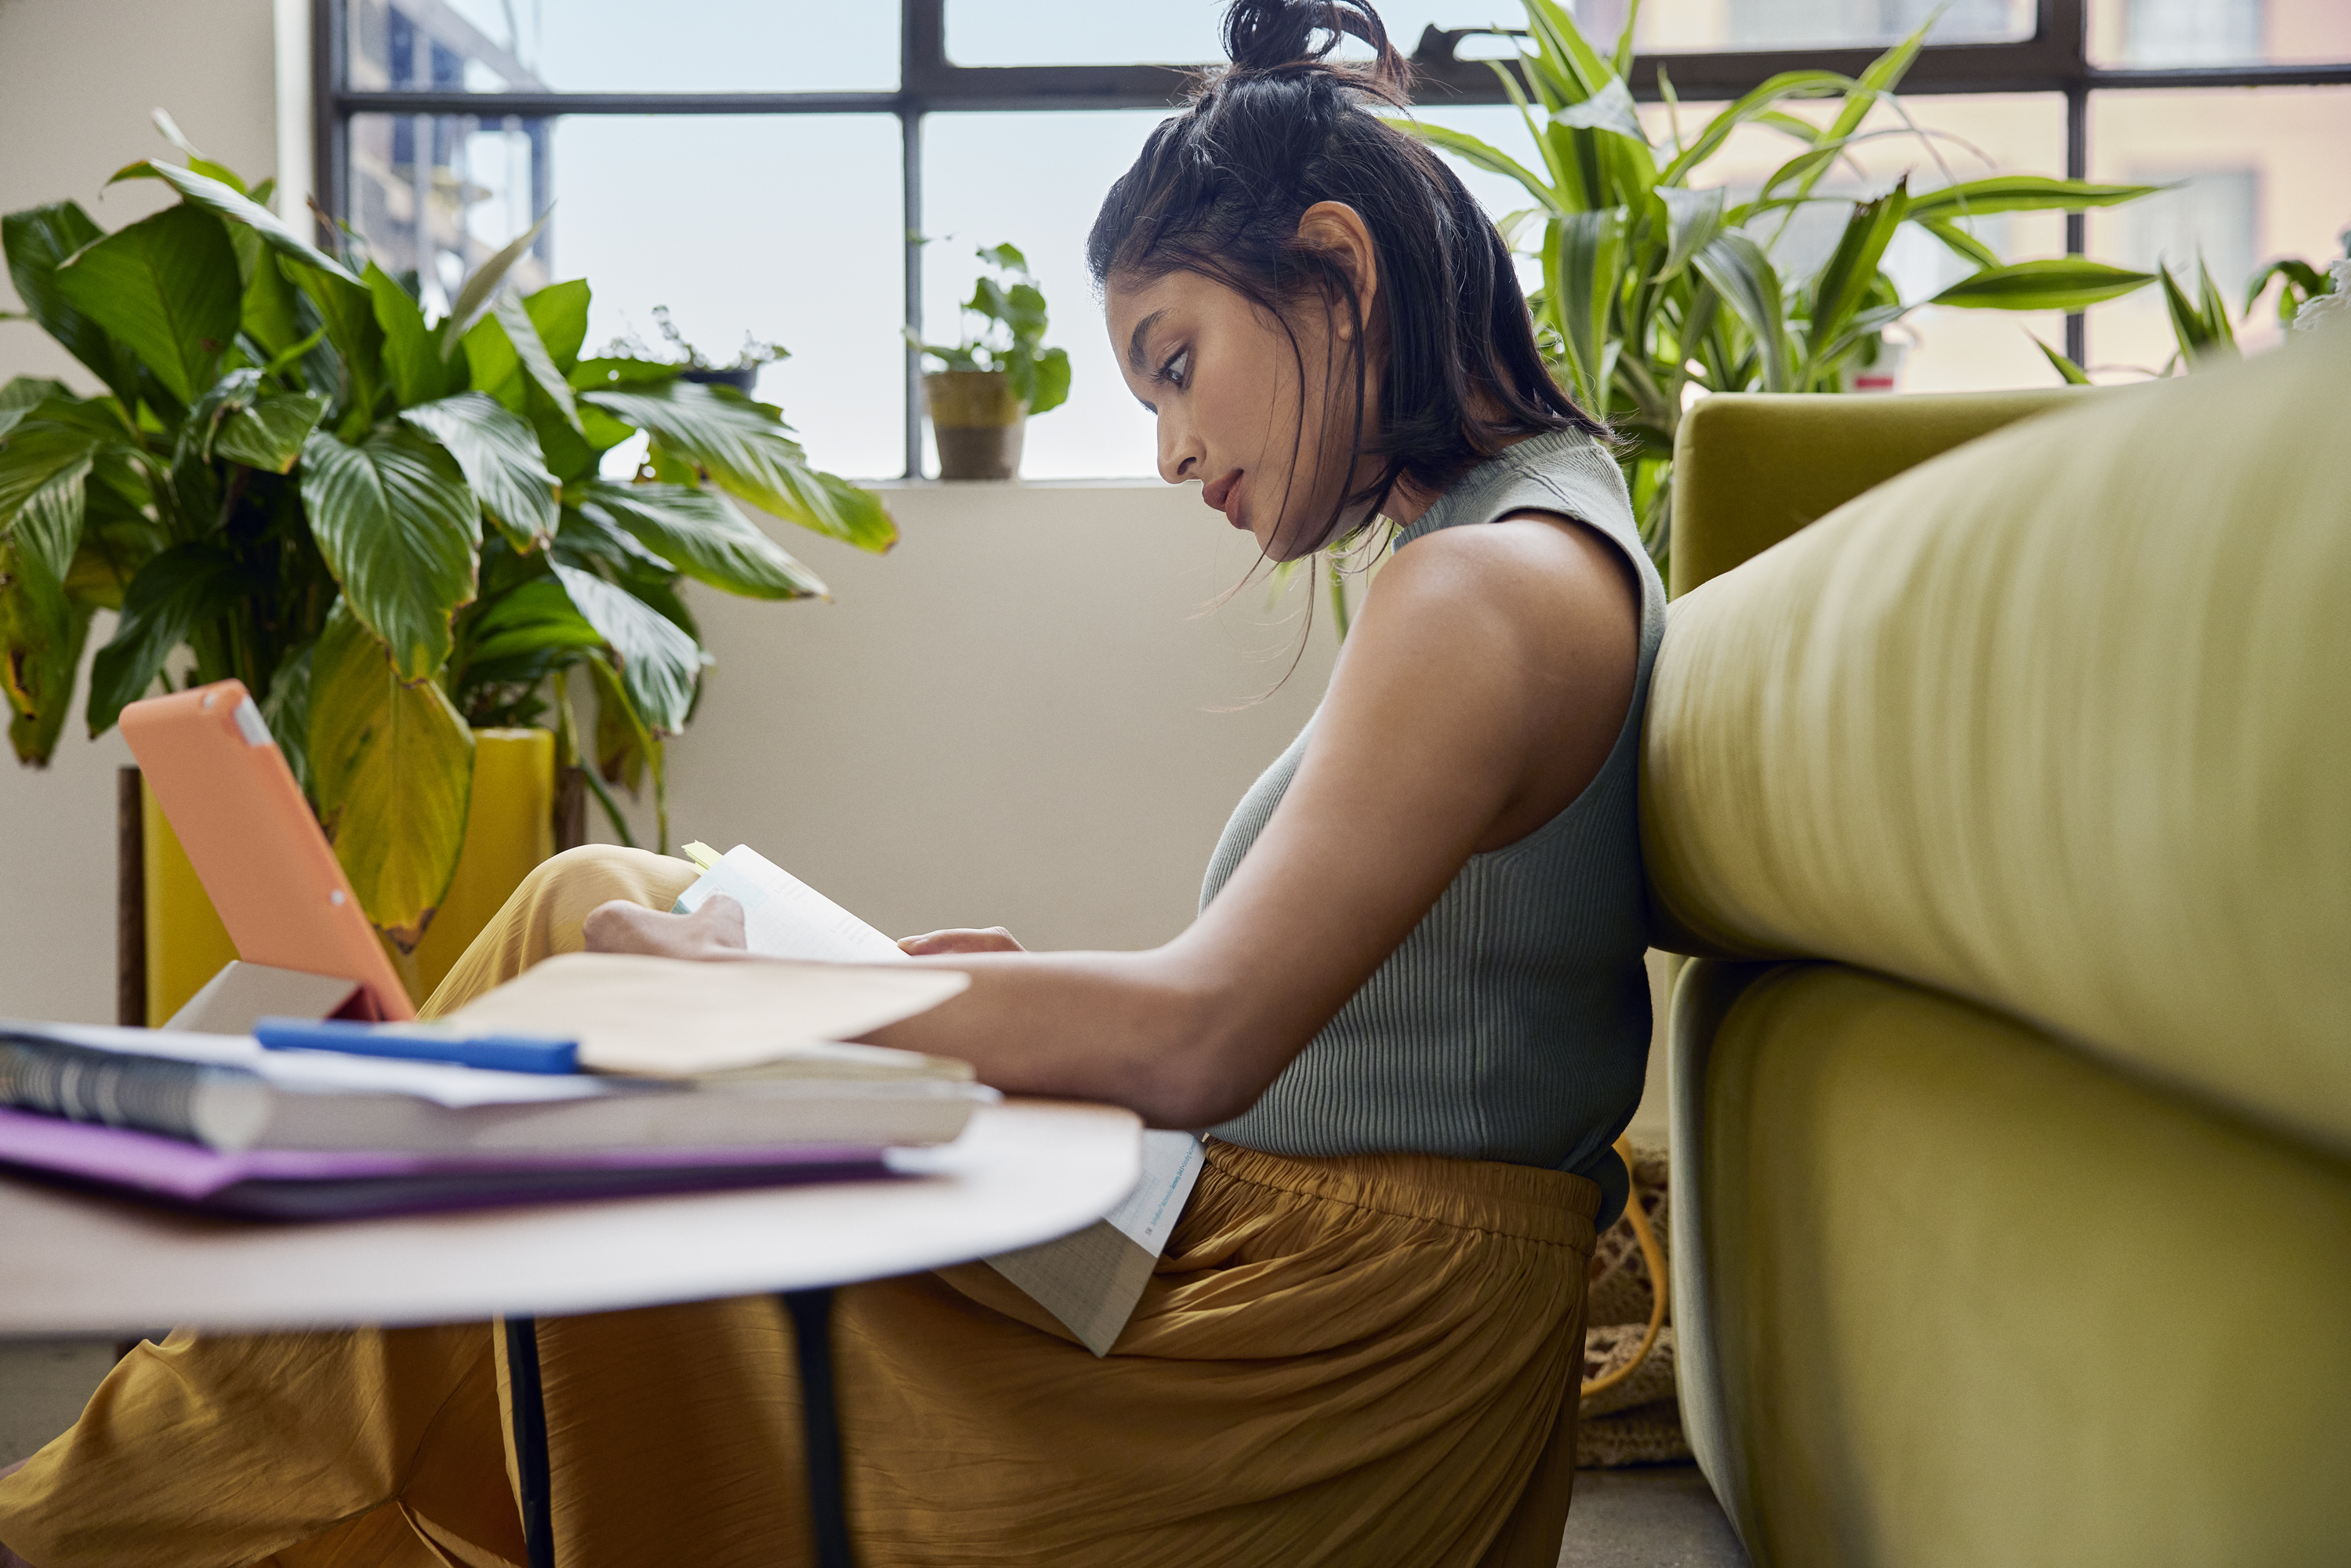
693 364
987 386
1657 285
391 529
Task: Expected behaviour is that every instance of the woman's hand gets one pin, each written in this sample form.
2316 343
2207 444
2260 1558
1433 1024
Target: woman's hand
711 934
995 939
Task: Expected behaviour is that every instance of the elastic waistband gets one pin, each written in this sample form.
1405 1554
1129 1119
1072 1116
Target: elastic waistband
1473 1195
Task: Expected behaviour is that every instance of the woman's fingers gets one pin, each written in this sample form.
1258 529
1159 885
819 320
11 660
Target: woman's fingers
713 931
994 939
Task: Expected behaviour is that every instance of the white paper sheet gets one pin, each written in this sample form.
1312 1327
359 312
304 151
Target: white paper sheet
783 916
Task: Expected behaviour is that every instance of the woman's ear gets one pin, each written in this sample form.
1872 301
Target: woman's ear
1338 230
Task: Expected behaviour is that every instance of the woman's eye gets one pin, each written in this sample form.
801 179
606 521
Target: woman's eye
1176 369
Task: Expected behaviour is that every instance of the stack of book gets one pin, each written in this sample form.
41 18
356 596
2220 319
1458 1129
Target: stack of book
649 1077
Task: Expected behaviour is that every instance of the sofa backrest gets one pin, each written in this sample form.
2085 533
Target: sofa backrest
1750 468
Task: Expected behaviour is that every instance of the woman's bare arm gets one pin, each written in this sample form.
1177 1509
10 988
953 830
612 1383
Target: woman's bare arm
1482 686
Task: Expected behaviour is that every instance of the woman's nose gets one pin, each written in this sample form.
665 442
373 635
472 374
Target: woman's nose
1179 451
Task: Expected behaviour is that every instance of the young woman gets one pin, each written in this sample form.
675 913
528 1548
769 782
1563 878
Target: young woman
1411 1016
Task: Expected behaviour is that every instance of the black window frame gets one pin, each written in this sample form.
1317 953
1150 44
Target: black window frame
2055 60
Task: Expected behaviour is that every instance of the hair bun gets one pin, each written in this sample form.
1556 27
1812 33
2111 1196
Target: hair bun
1269 37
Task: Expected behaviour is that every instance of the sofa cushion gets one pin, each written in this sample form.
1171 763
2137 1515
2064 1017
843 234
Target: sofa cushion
2057 721
1971 1299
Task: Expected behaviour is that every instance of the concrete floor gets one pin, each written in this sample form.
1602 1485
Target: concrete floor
1659 1517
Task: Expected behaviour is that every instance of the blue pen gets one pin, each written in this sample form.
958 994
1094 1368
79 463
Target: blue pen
421 1042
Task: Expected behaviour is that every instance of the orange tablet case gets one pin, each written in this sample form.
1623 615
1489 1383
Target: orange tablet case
230 798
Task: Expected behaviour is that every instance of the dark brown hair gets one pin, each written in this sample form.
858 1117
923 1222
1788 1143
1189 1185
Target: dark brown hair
1220 189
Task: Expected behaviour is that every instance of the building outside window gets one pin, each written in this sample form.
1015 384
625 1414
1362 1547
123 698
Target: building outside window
756 166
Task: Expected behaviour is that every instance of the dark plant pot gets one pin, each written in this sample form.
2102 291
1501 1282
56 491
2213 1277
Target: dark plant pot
976 422
741 380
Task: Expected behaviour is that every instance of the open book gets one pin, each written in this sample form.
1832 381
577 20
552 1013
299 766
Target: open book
1090 1281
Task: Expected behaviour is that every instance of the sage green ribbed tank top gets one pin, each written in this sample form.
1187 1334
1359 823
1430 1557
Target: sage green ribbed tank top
1513 1022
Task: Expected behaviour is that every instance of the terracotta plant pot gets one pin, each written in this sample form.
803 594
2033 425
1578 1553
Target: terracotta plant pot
976 422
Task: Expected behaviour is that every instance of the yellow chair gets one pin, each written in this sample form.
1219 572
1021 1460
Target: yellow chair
2008 805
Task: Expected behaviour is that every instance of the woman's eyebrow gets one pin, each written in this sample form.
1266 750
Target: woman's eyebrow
1134 339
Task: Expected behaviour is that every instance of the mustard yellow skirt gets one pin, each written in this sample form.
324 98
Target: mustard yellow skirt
1358 1361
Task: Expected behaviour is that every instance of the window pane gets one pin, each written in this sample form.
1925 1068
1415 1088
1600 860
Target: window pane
782 227
622 46
1086 32
2259 173
2156 34
1037 180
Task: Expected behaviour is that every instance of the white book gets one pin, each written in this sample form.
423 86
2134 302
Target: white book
1090 1280
229 1093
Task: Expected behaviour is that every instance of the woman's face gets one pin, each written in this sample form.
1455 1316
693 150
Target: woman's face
1230 388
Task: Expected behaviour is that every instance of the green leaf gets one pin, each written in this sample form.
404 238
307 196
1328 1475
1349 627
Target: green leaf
701 535
560 311
2072 375
270 433
493 366
2021 193
481 291
742 446
1693 218
42 632
1052 385
38 241
214 196
270 312
167 289
1740 272
349 311
1589 247
500 458
604 375
1480 154
2300 277
1775 90
175 590
48 524
45 459
419 373
392 764
534 620
1611 108
514 318
2064 283
1960 242
1846 279
658 664
2215 311
398 528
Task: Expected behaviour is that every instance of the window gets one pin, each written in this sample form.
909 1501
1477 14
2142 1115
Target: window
818 174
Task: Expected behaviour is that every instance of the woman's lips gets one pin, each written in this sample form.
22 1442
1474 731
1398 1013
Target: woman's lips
1224 494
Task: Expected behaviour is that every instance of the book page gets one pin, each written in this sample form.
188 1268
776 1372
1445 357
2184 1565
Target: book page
784 917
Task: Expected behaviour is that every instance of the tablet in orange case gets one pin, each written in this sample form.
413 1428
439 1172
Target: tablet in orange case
230 798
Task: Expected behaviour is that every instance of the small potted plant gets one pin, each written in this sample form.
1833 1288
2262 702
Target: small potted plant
694 365
984 388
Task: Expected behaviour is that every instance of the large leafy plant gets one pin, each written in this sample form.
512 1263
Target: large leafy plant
386 527
1655 283
1004 330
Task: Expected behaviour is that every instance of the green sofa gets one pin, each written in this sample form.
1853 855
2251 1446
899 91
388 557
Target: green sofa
1997 772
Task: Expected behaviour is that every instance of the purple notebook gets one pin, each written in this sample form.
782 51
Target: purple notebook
303 1183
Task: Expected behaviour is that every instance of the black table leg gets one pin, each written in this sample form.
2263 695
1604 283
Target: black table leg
811 1315
530 1441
